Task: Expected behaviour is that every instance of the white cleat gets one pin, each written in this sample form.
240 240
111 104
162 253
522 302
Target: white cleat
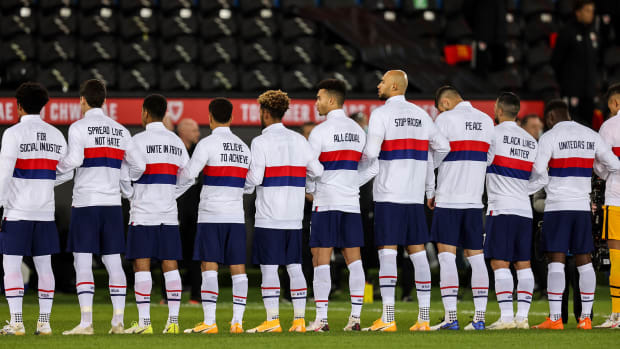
612 322
79 330
522 325
117 329
43 329
317 326
13 329
353 324
502 325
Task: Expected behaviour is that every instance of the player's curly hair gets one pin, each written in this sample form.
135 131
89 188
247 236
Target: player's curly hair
274 101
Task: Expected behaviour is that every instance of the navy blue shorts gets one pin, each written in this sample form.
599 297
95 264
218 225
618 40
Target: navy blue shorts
458 227
400 224
276 246
161 242
29 238
567 232
336 229
508 238
96 229
222 243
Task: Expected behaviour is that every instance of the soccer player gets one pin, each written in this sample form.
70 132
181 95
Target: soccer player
509 212
224 160
400 135
281 159
97 147
610 133
153 223
457 221
30 153
336 221
563 166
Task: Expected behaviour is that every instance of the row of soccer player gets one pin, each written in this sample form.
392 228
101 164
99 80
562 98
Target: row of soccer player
403 149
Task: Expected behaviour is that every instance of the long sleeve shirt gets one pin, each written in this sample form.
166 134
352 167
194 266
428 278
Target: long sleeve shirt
610 133
281 161
460 182
564 165
223 159
400 135
98 146
29 158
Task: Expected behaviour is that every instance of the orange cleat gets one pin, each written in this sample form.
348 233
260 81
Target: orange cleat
420 326
585 324
550 325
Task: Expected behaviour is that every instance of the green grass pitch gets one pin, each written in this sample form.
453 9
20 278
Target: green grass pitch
65 315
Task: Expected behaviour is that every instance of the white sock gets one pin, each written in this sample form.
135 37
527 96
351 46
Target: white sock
525 289
449 284
503 290
299 290
117 285
587 287
14 286
43 265
422 284
387 282
142 288
210 292
555 289
85 285
357 282
240 296
174 289
270 290
322 285
479 285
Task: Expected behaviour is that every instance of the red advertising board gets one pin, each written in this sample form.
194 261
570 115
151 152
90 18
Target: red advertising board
64 111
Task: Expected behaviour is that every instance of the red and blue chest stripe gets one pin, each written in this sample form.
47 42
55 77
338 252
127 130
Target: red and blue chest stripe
225 176
103 157
285 176
340 160
510 167
406 148
159 173
468 151
571 167
35 169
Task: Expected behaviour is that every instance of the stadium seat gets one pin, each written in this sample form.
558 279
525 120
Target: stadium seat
99 49
418 6
90 6
295 27
564 8
18 48
210 6
425 24
290 5
17 73
466 80
222 77
380 5
509 79
62 21
260 78
301 51
16 22
183 77
48 6
60 48
539 28
338 3
538 55
138 24
60 76
224 50
184 22
514 52
453 7
253 6
612 58
338 54
535 7
514 26
216 27
349 76
300 78
107 72
263 50
512 6
370 80
173 6
140 77
131 6
6 5
457 31
183 49
257 26
105 22
138 51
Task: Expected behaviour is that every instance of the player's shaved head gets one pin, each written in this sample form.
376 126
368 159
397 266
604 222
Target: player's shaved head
447 97
393 83
188 131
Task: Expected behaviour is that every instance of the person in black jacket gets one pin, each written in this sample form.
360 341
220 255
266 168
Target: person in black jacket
575 60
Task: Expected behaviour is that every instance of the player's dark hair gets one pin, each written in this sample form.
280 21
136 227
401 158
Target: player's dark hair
579 4
442 91
510 103
334 87
156 106
559 108
221 110
94 92
613 90
32 97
